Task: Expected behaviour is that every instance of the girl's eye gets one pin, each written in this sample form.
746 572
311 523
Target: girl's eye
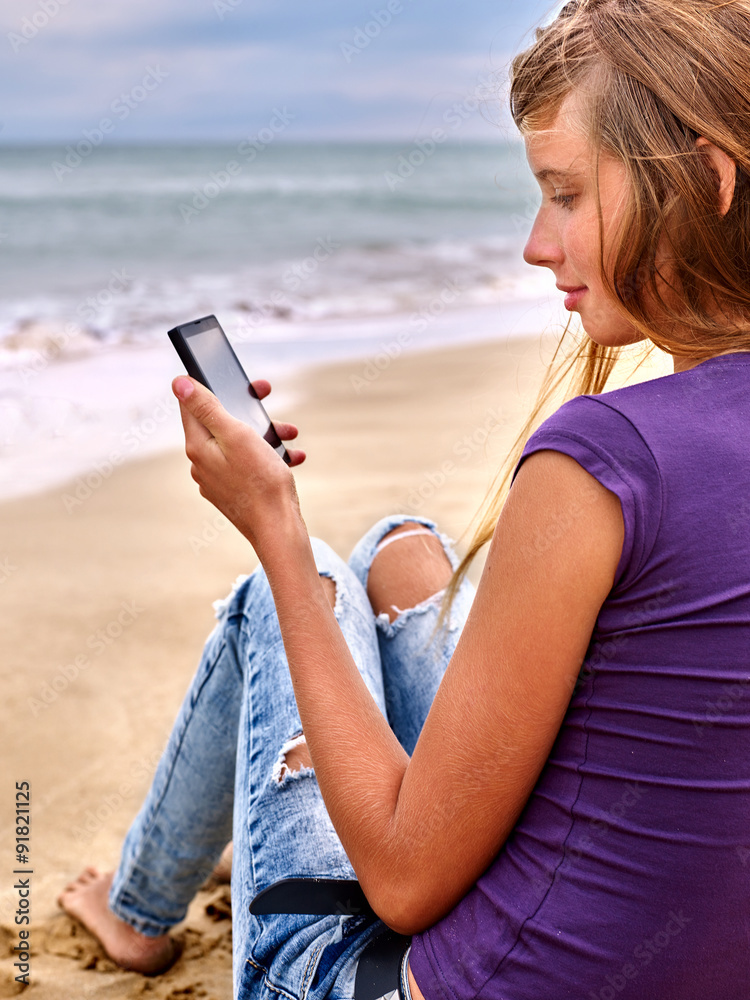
564 200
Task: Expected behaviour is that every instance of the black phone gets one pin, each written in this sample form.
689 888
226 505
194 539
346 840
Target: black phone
208 357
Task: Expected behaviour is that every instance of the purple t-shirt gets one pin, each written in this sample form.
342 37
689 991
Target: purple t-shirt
628 873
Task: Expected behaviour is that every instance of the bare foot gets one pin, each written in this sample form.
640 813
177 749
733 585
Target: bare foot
86 899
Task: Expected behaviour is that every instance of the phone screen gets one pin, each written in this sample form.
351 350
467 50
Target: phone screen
208 357
227 378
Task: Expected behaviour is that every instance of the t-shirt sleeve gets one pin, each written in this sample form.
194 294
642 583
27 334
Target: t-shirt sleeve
609 447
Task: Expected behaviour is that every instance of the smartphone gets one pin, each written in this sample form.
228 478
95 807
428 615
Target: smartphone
208 357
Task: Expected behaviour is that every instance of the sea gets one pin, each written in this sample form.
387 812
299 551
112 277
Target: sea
305 252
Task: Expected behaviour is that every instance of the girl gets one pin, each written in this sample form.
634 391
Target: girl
571 818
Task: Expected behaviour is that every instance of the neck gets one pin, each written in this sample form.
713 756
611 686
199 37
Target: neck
685 364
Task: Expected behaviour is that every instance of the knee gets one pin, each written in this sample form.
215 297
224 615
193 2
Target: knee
332 569
294 760
329 588
407 571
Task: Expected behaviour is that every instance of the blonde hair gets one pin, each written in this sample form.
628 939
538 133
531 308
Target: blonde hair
656 76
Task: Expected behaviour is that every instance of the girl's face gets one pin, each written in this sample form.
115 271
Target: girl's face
566 234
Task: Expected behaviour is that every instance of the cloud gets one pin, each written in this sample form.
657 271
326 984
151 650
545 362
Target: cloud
349 70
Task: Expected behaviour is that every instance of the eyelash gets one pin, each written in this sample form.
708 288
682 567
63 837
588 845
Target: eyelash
564 200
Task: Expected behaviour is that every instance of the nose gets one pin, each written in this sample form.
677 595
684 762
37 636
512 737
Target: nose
543 247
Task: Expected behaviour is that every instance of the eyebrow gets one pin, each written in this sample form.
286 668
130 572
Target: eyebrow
549 174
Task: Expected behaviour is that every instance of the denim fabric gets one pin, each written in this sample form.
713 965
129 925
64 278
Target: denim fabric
220 777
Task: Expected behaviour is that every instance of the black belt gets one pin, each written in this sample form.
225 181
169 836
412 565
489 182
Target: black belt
381 965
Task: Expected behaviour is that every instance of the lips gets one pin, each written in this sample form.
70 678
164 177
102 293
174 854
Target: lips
573 295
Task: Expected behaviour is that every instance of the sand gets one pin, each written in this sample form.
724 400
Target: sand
106 602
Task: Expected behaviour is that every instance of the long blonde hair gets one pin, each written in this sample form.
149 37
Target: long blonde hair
656 75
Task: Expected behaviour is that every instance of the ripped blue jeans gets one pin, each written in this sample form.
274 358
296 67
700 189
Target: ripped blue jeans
221 778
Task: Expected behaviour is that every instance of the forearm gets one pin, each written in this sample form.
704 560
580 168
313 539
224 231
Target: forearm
358 761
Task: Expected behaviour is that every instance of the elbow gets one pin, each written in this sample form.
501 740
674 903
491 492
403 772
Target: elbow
402 908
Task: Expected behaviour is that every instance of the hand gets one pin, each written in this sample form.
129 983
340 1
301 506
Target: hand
235 469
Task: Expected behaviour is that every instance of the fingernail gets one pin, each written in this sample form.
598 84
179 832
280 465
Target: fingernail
183 388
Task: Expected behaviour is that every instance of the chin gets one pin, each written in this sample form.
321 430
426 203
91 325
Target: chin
612 337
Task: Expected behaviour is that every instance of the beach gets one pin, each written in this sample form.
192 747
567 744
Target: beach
106 603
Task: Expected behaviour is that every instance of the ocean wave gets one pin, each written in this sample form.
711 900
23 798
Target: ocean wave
333 282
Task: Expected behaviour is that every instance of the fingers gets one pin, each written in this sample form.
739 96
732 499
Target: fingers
287 432
296 457
262 388
205 420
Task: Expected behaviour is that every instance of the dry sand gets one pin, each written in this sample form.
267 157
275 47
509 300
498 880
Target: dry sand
105 606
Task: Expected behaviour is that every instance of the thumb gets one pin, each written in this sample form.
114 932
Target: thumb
203 416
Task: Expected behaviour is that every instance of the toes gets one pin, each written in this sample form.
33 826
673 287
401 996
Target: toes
89 876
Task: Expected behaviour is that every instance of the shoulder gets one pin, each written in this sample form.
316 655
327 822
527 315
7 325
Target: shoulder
560 508
609 445
603 434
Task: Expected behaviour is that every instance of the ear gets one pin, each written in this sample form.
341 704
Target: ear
725 169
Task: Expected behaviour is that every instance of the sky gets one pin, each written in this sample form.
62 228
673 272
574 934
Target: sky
224 70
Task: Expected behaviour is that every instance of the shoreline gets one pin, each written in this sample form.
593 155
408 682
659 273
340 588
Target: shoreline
86 415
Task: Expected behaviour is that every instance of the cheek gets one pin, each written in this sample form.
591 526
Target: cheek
583 243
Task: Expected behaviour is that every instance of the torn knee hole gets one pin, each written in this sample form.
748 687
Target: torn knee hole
329 586
293 760
405 576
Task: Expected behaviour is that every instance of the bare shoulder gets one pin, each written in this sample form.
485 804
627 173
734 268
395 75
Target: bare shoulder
558 510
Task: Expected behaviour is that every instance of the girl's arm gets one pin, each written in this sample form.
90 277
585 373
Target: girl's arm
420 832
